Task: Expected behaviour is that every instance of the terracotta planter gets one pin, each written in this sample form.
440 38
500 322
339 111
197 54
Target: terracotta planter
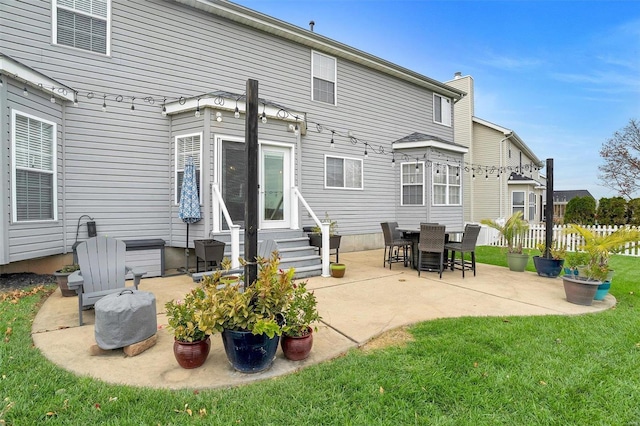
191 354
337 270
63 278
297 348
579 290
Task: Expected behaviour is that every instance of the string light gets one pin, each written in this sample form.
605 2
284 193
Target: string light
393 159
283 114
1 83
104 103
198 109
219 117
264 115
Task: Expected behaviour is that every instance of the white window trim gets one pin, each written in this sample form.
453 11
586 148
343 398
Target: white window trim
335 78
402 184
54 171
447 185
344 188
524 200
175 165
530 205
442 108
54 29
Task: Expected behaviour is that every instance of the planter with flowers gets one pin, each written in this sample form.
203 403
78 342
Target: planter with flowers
191 343
249 319
297 333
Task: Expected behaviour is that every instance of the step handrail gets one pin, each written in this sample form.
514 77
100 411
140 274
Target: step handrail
323 225
218 206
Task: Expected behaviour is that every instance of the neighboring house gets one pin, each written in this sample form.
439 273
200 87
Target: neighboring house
562 198
104 100
502 174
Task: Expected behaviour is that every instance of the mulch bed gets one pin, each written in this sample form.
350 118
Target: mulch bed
24 279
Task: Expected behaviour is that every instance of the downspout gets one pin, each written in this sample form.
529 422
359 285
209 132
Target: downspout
501 165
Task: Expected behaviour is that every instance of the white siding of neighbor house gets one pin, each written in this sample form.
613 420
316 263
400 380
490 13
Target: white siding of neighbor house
118 165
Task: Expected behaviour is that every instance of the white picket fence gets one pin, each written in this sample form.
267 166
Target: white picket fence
571 242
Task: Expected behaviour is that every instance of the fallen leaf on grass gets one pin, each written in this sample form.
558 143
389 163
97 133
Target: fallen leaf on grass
543 383
381 389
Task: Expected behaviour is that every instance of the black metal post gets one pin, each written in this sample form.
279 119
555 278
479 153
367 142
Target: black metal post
251 197
549 210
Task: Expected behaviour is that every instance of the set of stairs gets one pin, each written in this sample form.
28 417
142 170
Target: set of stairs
293 247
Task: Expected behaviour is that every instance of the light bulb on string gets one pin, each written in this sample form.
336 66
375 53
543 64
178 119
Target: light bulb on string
1 83
164 107
133 108
236 113
264 115
25 92
198 109
104 103
219 117
393 161
296 130
332 144
53 98
75 99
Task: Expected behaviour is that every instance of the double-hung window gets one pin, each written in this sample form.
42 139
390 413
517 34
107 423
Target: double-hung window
532 206
188 146
323 78
342 172
412 183
441 110
83 24
34 168
447 186
517 202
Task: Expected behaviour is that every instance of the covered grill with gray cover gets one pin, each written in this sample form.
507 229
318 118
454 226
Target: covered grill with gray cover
125 318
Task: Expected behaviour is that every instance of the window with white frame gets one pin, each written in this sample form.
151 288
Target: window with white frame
517 202
412 184
441 110
532 206
188 146
323 78
447 187
34 168
83 24
342 172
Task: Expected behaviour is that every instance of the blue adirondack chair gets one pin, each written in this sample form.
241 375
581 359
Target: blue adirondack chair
102 271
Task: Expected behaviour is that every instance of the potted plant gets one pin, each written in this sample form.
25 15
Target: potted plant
337 269
62 277
301 311
513 231
573 260
549 266
581 289
315 235
191 343
249 318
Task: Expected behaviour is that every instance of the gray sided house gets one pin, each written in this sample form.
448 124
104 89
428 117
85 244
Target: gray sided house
103 101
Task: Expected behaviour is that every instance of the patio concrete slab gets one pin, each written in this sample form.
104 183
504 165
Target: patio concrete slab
368 301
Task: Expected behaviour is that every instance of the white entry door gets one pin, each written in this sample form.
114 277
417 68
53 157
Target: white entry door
275 186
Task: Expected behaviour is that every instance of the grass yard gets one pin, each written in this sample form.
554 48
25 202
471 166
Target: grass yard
551 370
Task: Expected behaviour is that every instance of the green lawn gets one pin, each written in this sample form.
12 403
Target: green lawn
552 370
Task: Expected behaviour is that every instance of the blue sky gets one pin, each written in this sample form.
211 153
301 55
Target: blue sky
565 75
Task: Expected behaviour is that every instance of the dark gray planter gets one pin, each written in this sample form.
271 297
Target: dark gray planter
546 267
580 290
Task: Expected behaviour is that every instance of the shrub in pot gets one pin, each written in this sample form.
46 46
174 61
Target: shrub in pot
513 230
191 343
297 334
62 278
249 318
549 266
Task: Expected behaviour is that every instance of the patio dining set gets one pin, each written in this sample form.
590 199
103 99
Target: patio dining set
427 248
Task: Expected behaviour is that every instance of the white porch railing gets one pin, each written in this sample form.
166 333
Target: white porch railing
217 207
571 242
323 225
